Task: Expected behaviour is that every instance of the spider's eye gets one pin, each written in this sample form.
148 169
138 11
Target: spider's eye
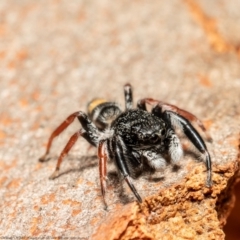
163 132
154 138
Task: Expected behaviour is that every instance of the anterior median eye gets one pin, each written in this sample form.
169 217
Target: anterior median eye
154 138
163 132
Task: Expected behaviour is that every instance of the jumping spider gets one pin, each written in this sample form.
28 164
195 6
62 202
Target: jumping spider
134 138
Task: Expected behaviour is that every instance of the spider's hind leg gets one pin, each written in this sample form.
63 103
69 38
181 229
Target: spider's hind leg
58 131
64 152
90 133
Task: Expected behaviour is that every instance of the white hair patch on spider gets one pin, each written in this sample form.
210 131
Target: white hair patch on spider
156 161
107 133
175 149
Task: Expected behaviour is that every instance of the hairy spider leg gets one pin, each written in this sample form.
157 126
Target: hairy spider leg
176 120
102 155
169 107
80 115
90 133
65 151
128 96
56 132
121 155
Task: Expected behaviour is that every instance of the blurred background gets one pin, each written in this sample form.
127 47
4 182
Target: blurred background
57 55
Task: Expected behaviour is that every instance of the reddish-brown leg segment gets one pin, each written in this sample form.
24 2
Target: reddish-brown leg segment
56 132
166 106
65 151
102 155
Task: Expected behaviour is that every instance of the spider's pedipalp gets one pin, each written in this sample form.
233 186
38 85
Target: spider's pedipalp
175 147
155 159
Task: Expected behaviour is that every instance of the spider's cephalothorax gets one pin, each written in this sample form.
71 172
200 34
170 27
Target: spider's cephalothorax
135 139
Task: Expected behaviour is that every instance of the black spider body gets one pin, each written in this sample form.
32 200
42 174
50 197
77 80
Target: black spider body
139 128
135 139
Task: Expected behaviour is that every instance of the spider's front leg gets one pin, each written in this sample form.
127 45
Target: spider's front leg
90 133
176 120
122 155
169 107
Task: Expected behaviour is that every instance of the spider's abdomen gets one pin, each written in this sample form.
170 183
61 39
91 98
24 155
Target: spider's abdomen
139 128
102 113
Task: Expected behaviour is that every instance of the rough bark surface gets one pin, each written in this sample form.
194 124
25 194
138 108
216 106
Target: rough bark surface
56 56
186 210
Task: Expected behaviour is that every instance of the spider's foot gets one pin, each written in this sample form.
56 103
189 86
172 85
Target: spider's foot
209 183
44 158
105 206
54 175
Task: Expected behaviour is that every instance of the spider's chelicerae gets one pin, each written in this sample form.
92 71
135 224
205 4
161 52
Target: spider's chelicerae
134 139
